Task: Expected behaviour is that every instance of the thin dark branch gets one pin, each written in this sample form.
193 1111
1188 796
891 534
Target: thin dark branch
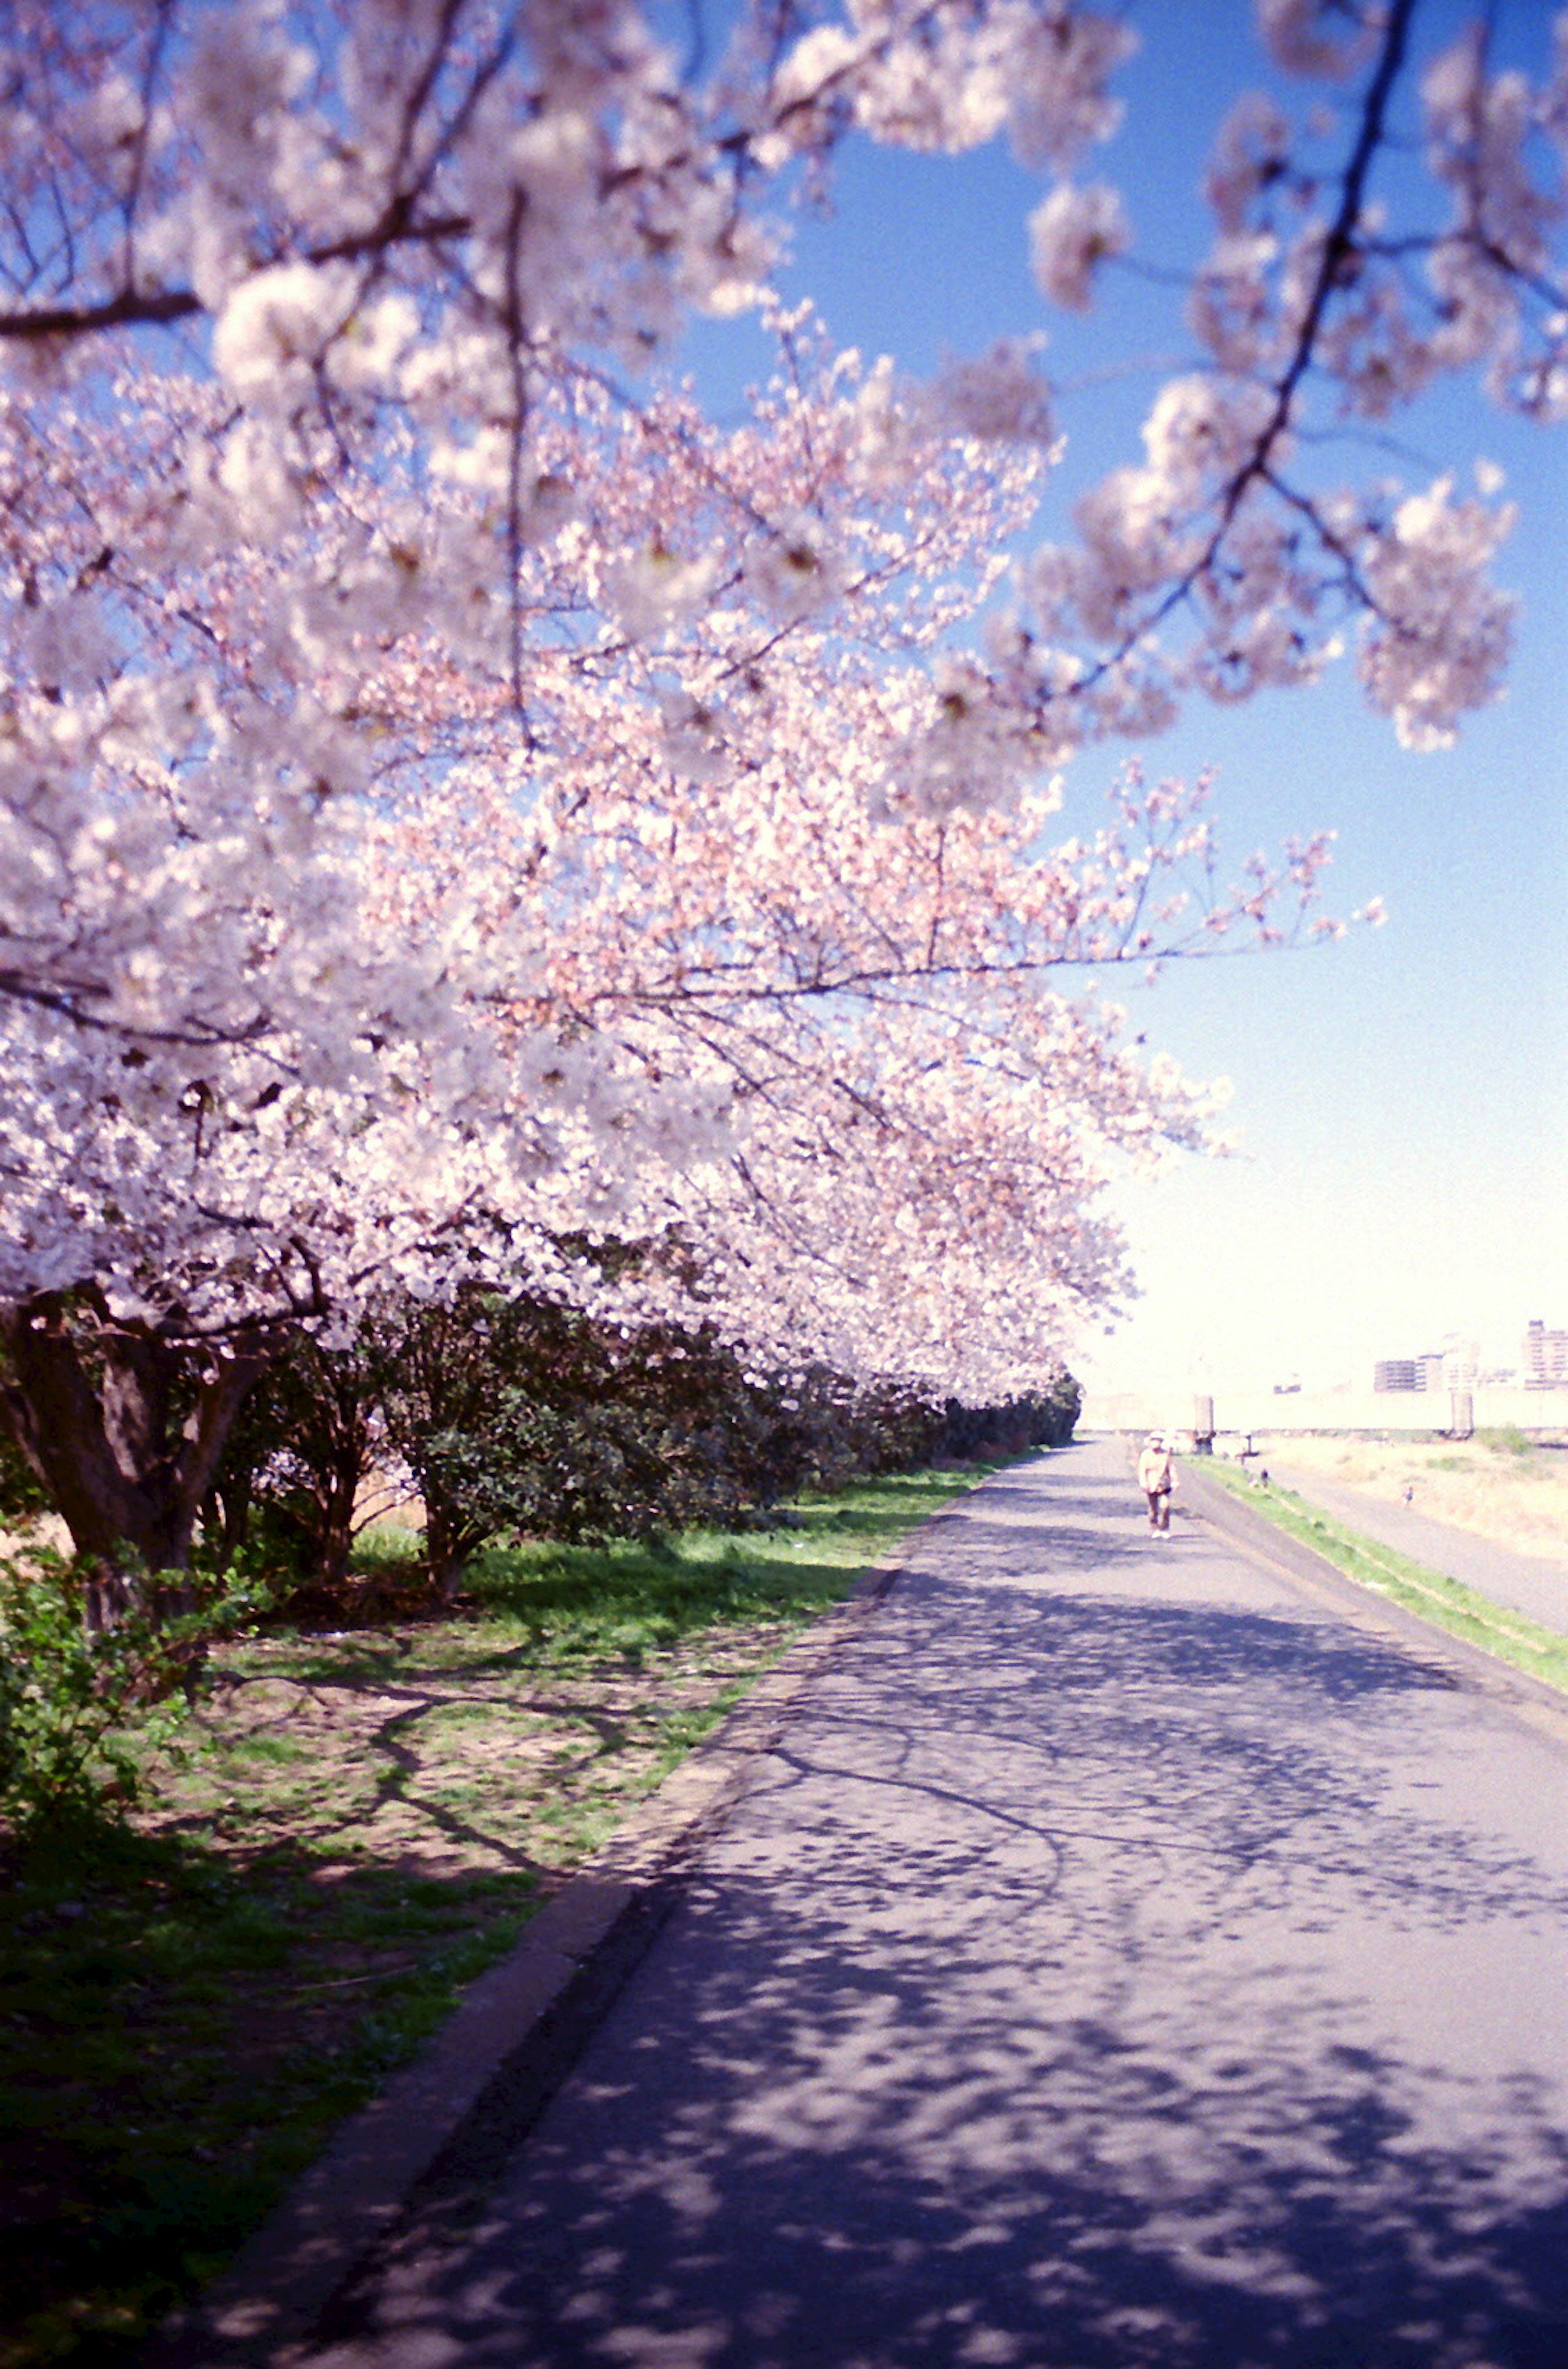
1337 247
132 308
74 999
138 156
519 434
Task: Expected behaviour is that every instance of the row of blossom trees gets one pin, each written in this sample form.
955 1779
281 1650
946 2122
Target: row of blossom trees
454 803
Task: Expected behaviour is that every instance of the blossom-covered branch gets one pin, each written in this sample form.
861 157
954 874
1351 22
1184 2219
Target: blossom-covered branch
756 897
457 800
452 210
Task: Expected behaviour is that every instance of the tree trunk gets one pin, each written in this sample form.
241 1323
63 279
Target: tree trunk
226 1515
345 1404
335 1524
94 1405
450 1542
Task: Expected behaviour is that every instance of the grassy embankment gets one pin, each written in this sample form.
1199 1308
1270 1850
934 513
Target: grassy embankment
365 1819
1447 1603
1497 1484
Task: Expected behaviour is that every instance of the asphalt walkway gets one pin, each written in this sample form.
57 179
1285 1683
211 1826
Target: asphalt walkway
1528 1584
1129 1959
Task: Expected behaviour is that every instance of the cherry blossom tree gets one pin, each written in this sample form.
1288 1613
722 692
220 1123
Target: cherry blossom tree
457 802
446 208
738 945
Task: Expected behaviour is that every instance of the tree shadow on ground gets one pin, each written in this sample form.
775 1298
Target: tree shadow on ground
1087 1985
181 2026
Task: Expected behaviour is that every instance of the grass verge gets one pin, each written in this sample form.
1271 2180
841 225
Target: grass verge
1447 1603
362 1820
1498 1486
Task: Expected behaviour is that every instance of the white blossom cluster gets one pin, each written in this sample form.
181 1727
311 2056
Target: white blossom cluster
737 939
451 799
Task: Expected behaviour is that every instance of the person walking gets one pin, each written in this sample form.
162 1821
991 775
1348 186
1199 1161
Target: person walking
1156 1479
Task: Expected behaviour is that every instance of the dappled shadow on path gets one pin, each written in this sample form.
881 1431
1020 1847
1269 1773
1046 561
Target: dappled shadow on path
977 2222
1092 1984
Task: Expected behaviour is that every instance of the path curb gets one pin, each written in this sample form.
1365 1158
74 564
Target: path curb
510 2040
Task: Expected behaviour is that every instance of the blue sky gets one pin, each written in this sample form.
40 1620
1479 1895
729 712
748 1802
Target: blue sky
1401 1099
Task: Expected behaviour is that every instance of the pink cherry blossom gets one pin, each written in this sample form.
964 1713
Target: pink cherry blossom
1071 234
456 797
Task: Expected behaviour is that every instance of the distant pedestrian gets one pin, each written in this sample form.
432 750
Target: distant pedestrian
1156 1481
1410 1493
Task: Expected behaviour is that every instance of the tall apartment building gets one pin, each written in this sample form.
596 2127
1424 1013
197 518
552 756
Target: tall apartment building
1409 1373
1546 1357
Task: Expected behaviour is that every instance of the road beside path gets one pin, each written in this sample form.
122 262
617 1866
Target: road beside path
1125 1959
1527 1583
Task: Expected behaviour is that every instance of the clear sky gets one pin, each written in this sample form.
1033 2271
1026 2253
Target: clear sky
1402 1098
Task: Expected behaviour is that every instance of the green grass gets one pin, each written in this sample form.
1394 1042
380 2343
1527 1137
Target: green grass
165 2069
1447 1603
581 1600
387 1542
363 1821
1508 1438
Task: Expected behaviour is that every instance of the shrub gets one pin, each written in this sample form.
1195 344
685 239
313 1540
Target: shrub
288 1483
521 1415
79 1710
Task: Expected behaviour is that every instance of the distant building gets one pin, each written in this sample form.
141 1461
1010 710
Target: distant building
1546 1357
1409 1373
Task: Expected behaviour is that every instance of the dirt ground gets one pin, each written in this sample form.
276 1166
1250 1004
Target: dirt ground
445 1750
1517 1498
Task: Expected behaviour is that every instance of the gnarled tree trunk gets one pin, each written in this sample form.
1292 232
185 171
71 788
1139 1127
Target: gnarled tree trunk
124 1430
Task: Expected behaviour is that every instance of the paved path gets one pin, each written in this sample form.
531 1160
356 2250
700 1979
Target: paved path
1530 1584
1127 1961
